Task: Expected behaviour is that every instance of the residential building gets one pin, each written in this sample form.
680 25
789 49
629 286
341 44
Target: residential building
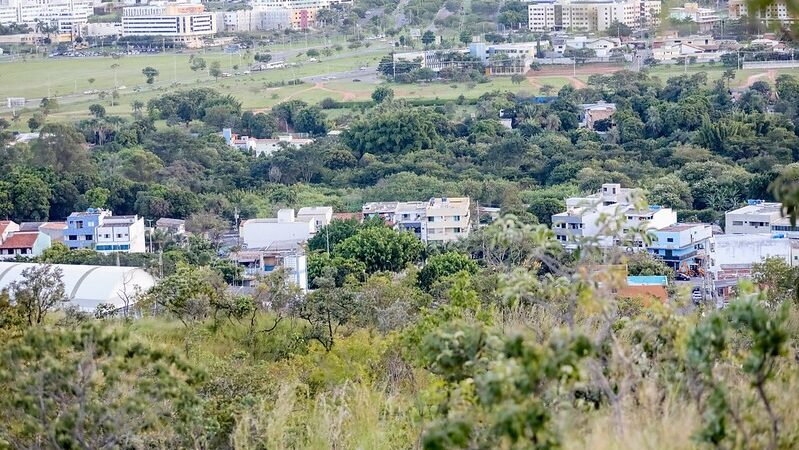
682 246
283 230
601 46
275 18
592 113
319 215
81 227
706 18
591 15
24 243
447 219
583 214
777 11
302 12
732 255
7 227
441 219
182 23
257 263
121 234
240 20
754 218
171 226
436 60
263 146
53 229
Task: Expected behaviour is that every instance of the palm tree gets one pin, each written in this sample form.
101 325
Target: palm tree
137 106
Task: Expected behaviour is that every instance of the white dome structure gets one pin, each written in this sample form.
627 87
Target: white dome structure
89 286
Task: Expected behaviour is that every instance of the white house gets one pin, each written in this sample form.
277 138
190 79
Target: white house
732 255
7 227
285 229
121 234
24 243
319 215
440 219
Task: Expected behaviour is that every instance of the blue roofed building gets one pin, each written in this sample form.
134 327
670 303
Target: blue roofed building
81 227
683 246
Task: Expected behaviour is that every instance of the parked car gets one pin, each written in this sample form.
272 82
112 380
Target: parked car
682 277
696 295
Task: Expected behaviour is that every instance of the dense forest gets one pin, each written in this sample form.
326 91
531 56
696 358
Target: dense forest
503 340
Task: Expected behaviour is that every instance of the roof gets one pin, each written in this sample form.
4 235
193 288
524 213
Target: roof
647 280
30 226
89 286
307 210
758 208
677 227
4 224
54 225
90 212
167 222
348 216
21 239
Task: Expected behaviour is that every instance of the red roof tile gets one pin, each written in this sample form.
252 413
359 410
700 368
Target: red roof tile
21 240
54 225
3 225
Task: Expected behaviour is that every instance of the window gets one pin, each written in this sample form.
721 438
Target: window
737 223
106 236
79 224
669 239
457 218
431 219
73 237
89 237
119 235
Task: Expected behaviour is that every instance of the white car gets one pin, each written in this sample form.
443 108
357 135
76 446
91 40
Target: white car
364 68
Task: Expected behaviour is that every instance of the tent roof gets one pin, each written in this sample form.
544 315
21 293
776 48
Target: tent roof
89 286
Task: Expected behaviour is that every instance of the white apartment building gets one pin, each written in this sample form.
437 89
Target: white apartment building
67 15
591 15
284 230
320 216
121 234
774 12
182 23
706 18
441 219
583 216
754 218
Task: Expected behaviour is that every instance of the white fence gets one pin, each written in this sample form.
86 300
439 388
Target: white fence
786 64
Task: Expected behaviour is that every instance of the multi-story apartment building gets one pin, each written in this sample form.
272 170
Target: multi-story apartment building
67 16
441 219
683 246
582 218
81 227
776 11
591 15
319 215
285 229
257 263
121 234
754 218
706 18
447 219
302 12
182 23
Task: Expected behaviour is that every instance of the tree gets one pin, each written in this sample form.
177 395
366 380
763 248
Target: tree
30 196
330 235
310 120
35 122
618 29
62 148
150 73
465 37
215 69
428 38
382 93
312 53
198 63
263 57
381 248
517 78
137 106
777 278
190 293
443 265
98 111
209 225
48 105
95 388
544 207
40 290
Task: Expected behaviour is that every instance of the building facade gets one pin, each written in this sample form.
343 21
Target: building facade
81 227
591 15
285 229
706 18
182 23
67 16
121 234
682 246
777 11
440 219
24 243
754 218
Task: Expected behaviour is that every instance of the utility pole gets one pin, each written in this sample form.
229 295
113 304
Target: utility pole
238 230
150 224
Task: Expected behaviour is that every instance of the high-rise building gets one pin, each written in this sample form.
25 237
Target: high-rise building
62 16
591 15
182 23
773 12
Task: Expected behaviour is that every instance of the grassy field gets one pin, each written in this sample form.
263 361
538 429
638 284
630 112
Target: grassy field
68 78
